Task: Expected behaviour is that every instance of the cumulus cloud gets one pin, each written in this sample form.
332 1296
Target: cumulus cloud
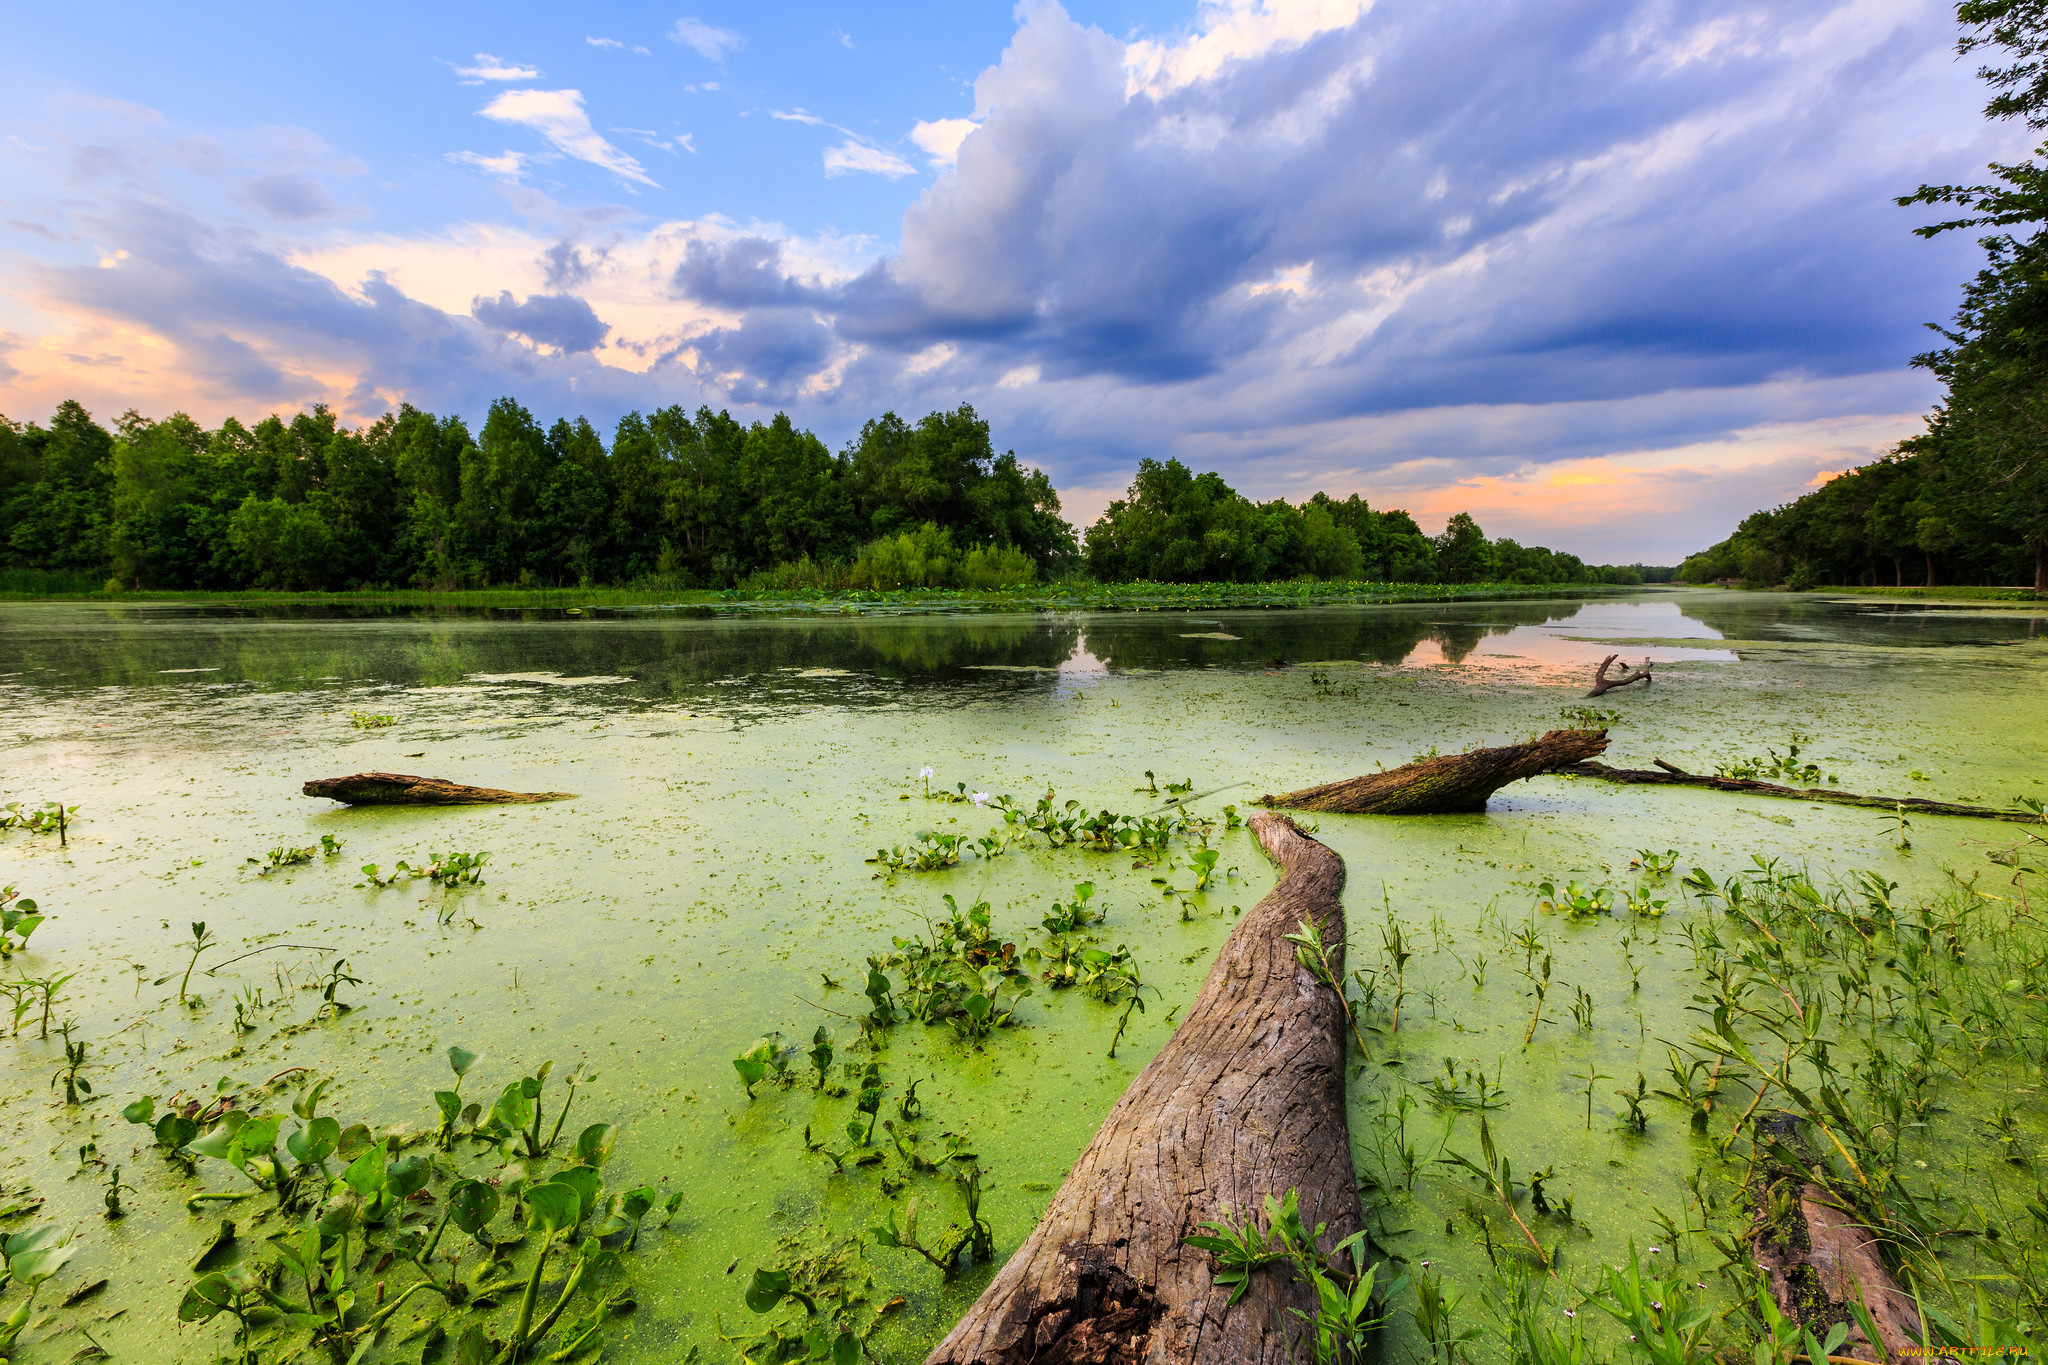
489 68
563 321
558 116
863 157
707 41
940 139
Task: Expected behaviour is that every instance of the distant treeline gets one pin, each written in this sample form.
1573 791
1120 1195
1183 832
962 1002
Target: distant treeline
676 500
1174 526
1966 501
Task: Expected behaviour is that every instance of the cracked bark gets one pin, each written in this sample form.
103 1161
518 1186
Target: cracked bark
1246 1100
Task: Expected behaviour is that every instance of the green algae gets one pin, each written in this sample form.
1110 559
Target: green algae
734 774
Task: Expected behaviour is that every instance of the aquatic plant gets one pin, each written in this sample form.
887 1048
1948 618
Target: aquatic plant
363 720
1576 901
51 817
1347 1301
30 1257
19 918
1775 766
1072 916
74 1062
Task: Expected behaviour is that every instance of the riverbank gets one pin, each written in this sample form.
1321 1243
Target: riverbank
1063 596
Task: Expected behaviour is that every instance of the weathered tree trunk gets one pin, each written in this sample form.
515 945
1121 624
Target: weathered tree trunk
1245 1101
397 789
1453 783
1666 775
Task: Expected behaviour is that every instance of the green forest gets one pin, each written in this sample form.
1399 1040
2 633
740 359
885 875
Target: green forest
673 501
1966 501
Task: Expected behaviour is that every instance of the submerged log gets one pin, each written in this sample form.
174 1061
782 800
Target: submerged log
1665 775
1447 785
398 789
1246 1100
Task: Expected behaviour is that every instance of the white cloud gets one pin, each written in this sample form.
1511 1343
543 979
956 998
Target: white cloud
558 116
612 43
798 115
1232 30
709 42
940 138
858 156
507 164
489 68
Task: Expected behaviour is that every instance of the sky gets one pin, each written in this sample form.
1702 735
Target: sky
1608 274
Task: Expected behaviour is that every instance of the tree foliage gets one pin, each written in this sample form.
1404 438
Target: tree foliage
1967 499
415 499
1176 526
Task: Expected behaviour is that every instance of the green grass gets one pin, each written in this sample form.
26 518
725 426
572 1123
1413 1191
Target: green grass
1063 596
1955 594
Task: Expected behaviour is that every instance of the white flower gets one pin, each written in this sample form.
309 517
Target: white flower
925 771
981 798
1571 1312
1656 1305
1653 1251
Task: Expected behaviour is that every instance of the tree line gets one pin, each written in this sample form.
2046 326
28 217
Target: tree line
675 499
1176 526
1965 501
415 499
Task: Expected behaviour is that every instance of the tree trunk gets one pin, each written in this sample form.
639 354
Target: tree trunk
1245 1101
2041 566
1453 783
1678 777
397 789
1930 568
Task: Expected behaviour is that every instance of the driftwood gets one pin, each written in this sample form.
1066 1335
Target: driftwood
1814 1284
1453 783
1245 1101
397 789
1666 775
1603 684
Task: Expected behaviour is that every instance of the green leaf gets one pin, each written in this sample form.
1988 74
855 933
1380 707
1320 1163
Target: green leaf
638 1203
207 1299
554 1206
33 1267
141 1111
407 1176
259 1136
365 1175
594 1145
767 1289
586 1182
461 1059
472 1205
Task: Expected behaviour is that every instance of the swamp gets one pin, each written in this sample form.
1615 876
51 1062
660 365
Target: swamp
775 1037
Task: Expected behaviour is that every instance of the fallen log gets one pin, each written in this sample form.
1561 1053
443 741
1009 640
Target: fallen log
1246 1100
1668 776
398 789
1819 1258
1602 684
1450 784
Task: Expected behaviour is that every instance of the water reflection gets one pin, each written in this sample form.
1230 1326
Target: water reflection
669 658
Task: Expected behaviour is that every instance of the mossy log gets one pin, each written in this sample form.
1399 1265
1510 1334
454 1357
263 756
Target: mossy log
1824 1260
1450 784
398 789
1246 1100
1665 775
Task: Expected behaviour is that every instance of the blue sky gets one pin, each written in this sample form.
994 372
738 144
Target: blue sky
1606 274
